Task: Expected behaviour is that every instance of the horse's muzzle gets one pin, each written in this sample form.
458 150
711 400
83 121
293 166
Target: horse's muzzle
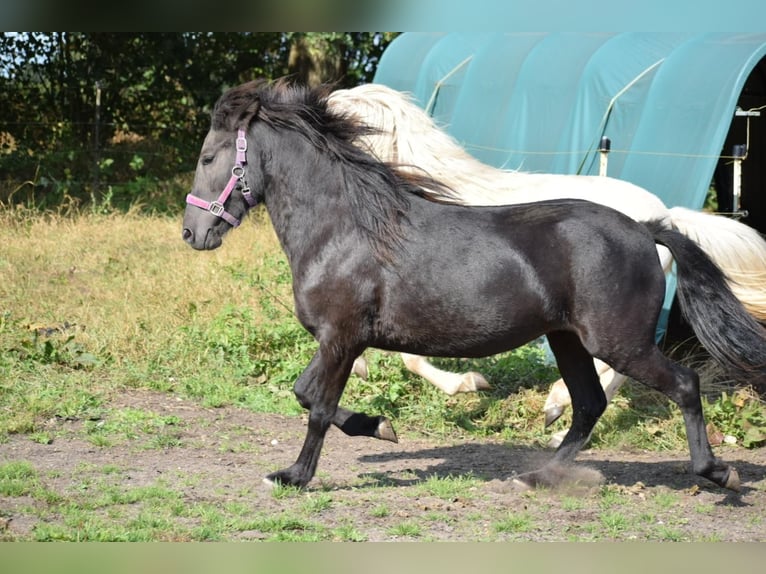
208 241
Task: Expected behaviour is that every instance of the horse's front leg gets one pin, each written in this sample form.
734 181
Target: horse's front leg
361 424
318 389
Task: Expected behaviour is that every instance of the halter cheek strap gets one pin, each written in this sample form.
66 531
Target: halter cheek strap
237 176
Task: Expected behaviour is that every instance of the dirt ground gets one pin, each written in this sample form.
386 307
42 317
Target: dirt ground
228 450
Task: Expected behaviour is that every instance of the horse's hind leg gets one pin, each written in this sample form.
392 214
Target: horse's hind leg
681 385
609 379
558 397
588 403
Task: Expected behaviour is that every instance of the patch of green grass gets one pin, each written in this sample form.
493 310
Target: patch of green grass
407 529
571 503
17 478
433 516
665 500
611 496
741 414
514 523
288 528
316 503
380 511
100 514
121 425
614 522
41 437
668 534
513 406
283 491
348 533
449 487
704 508
43 395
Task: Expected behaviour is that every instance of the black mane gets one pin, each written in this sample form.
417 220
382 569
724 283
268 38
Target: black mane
378 192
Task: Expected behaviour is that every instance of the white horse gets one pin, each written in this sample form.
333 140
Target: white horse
408 136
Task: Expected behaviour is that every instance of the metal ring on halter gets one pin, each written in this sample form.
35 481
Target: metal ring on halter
238 171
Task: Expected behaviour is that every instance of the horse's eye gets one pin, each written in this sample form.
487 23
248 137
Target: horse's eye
207 160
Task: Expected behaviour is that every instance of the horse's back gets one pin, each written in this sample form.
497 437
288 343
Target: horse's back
501 276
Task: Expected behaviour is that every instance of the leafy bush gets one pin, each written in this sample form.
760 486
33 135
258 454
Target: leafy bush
739 414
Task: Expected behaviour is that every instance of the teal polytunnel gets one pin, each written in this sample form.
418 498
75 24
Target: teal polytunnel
676 107
672 104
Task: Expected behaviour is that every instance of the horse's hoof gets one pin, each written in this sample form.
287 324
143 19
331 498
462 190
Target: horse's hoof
269 483
557 439
519 484
530 480
360 368
385 430
732 481
284 478
552 414
473 382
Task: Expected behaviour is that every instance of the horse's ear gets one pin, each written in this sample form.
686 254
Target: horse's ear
247 115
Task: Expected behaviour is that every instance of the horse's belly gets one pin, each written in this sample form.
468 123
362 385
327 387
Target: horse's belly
460 342
470 318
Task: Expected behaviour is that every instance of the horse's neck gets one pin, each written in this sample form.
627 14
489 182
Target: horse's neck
306 204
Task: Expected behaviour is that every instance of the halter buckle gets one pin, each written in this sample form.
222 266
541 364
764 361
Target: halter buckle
216 208
241 144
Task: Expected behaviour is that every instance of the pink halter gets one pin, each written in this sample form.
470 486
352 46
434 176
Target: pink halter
237 176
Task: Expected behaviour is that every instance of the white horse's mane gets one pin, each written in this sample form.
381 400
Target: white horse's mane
408 136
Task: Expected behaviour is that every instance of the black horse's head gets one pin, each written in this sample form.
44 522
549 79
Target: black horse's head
275 120
220 195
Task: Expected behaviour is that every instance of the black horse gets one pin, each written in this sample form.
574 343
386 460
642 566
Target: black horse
376 262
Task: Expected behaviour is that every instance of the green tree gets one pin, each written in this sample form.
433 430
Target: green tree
86 114
348 59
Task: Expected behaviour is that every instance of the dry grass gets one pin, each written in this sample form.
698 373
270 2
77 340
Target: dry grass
93 303
97 272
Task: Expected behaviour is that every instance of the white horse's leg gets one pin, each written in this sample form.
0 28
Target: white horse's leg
450 383
360 368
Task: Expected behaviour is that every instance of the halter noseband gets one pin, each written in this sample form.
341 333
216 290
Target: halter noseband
237 176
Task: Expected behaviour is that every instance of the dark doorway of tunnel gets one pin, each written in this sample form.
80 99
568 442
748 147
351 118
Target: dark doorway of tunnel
748 128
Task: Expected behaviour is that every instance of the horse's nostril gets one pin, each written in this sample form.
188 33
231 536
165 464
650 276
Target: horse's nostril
187 234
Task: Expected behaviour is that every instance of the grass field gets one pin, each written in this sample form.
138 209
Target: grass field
94 305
